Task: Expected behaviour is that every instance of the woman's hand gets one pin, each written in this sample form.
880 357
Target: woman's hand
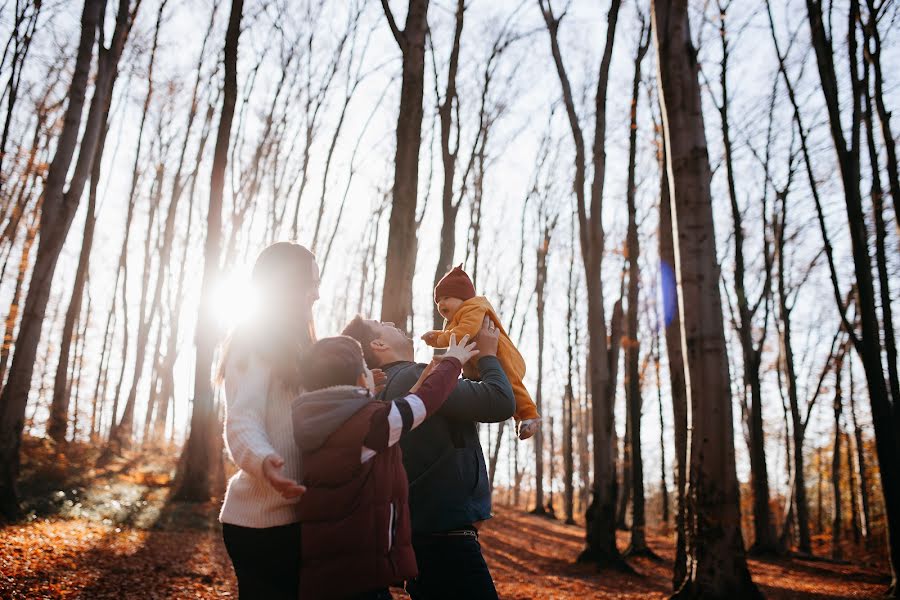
462 351
288 488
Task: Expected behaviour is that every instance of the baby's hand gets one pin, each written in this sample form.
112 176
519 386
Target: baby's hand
430 337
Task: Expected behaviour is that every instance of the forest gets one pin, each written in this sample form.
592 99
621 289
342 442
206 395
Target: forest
685 213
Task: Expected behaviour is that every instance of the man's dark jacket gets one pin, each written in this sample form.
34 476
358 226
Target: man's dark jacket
448 481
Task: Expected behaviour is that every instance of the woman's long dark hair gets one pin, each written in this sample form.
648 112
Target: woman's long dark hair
281 328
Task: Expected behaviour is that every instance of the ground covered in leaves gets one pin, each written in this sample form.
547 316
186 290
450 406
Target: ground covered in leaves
110 533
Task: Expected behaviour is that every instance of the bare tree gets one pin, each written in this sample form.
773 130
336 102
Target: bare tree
885 417
196 475
601 515
715 542
59 207
400 263
632 378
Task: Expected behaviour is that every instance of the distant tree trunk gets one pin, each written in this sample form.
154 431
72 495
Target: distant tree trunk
196 467
24 25
624 497
449 208
836 516
600 538
59 207
400 262
715 542
765 541
854 507
872 52
15 302
632 379
820 511
59 407
568 395
678 390
885 417
787 361
861 464
539 287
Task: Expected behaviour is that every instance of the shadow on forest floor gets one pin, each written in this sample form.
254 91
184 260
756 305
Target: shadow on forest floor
112 533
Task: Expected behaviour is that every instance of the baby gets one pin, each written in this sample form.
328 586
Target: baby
464 313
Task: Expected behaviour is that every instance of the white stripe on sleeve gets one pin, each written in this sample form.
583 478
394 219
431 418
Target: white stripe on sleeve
395 423
418 409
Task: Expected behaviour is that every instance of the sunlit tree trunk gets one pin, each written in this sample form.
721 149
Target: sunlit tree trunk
59 207
717 566
196 468
400 263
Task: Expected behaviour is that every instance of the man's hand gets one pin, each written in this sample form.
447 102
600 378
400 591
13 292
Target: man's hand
430 337
488 338
380 379
288 488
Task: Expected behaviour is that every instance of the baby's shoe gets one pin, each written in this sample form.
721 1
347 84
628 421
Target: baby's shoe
528 428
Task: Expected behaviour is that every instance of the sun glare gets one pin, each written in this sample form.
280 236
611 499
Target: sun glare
234 299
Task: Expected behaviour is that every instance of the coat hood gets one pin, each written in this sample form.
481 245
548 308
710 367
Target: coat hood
316 415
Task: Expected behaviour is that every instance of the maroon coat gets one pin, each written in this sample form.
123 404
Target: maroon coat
355 512
356 532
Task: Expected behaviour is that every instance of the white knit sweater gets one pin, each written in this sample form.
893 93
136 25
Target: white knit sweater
257 424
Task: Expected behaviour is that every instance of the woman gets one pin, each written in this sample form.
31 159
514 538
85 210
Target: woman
260 369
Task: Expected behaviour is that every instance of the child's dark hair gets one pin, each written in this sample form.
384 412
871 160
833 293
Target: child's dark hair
331 361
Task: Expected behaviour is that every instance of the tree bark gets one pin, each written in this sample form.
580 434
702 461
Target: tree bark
717 564
59 207
196 473
678 391
765 540
836 516
600 538
885 417
400 262
865 515
632 379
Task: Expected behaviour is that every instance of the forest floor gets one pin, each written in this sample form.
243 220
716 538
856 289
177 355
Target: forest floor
110 533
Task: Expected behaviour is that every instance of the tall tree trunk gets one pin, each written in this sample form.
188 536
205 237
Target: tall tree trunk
678 390
400 263
539 287
717 564
885 417
854 506
196 467
765 541
600 538
790 377
632 379
449 208
59 207
59 407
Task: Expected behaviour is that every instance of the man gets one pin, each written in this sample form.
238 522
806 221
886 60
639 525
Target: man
449 492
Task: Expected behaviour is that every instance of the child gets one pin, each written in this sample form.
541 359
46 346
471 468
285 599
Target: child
464 313
356 534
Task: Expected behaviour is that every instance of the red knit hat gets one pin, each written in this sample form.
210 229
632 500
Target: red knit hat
455 284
